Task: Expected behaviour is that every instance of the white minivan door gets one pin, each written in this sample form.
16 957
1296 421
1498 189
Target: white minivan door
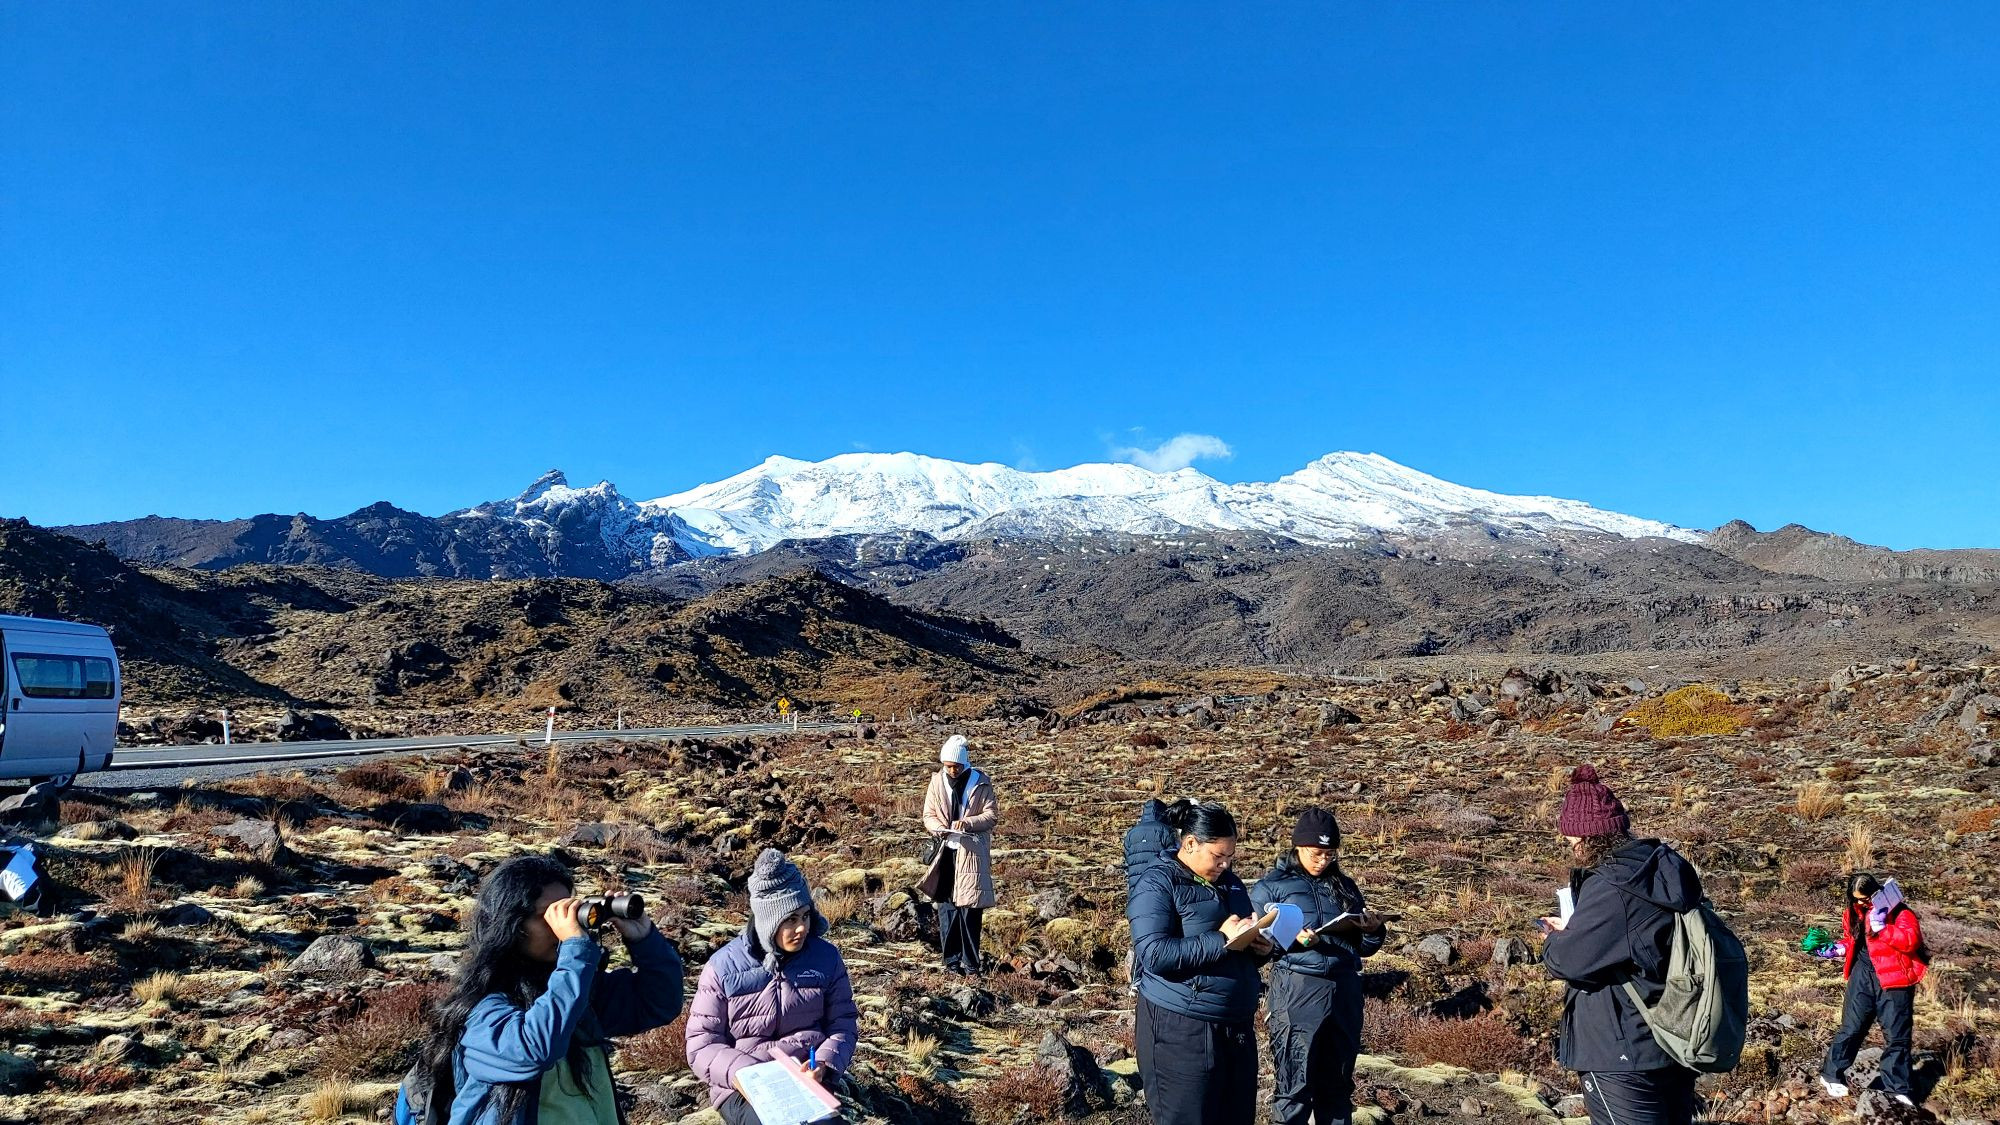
61 704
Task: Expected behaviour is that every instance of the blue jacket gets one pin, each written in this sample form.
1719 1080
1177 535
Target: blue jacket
1321 900
503 1043
1147 843
1178 943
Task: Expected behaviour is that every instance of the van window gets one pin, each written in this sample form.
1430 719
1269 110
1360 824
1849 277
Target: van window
49 676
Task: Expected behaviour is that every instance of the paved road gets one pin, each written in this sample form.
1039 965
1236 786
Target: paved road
155 766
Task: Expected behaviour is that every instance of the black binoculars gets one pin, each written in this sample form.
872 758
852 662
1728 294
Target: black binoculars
599 910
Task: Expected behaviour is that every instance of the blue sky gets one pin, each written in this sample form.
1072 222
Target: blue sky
1693 262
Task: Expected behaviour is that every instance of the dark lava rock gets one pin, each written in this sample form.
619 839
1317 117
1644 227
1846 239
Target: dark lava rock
334 956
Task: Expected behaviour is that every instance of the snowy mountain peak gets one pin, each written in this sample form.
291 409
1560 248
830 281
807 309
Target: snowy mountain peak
1341 497
553 479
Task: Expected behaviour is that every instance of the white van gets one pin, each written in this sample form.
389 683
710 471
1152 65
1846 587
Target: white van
60 687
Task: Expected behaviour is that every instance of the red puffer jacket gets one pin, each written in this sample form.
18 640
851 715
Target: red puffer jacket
1893 948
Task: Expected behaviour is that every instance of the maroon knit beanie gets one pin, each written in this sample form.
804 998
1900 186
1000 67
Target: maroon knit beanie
1590 808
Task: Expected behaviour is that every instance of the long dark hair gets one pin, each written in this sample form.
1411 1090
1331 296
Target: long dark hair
1860 883
1590 852
493 962
1204 820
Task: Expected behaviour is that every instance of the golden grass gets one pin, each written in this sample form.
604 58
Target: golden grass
249 886
160 988
329 1102
135 875
1860 847
1818 801
922 1052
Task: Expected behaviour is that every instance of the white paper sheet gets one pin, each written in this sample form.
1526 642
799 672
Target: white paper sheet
1565 904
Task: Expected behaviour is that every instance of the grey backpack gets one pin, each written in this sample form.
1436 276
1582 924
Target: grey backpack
1701 1017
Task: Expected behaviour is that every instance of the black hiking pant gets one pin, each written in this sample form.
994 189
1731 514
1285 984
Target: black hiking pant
1195 1072
1315 1028
1640 1097
958 936
1867 1004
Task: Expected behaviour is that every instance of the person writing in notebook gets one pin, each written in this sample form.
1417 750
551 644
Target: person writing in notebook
779 983
1315 1020
1194 937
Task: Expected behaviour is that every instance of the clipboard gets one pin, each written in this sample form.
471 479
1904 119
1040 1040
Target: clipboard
1254 930
782 1093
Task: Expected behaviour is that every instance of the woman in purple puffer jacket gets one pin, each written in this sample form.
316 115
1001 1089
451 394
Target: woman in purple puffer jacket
779 983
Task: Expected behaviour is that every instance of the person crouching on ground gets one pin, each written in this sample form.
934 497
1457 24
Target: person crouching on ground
959 810
1626 894
1196 1030
1315 1020
1883 950
525 1025
780 982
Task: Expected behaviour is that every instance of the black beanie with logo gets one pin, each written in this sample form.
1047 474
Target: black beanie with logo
1316 829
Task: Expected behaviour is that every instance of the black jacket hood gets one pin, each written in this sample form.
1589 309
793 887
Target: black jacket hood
1650 870
1154 810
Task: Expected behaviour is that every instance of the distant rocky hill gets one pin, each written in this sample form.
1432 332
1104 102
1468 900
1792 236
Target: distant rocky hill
1793 549
324 636
1246 600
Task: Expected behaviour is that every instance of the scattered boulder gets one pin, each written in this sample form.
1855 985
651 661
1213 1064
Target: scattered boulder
18 1075
261 837
1980 754
1083 1084
1333 714
1512 951
1438 949
334 955
97 830
621 836
38 804
112 1050
423 819
1572 1106
310 726
185 914
456 877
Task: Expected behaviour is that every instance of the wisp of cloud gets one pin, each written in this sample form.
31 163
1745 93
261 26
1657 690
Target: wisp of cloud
1177 452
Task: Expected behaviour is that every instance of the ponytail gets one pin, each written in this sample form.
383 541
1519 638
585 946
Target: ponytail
1204 820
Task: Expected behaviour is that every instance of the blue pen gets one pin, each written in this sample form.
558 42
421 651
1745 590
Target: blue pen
812 1059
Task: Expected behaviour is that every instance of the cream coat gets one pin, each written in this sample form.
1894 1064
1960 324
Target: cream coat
972 883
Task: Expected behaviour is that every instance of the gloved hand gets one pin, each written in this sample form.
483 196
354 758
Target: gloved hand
1834 952
1878 917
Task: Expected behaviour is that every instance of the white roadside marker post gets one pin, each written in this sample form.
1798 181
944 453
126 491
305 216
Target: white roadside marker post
549 733
225 726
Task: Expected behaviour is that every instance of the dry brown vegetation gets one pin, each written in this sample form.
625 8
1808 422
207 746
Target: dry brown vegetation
1455 833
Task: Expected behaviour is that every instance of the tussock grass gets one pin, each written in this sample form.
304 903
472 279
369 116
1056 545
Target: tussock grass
160 988
1818 801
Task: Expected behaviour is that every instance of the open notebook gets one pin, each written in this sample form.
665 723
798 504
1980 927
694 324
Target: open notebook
783 1093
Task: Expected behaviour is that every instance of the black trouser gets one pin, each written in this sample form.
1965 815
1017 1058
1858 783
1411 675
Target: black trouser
736 1111
1868 1003
958 935
1196 1072
1315 1027
1640 1097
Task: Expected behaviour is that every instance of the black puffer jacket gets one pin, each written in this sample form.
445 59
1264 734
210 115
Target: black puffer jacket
1321 900
1623 924
1147 843
1178 943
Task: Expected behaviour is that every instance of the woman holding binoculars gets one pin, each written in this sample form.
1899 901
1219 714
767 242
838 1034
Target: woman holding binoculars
532 1008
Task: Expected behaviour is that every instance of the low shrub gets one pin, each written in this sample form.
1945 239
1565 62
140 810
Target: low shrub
1031 1093
1696 709
662 1050
1484 1043
384 1038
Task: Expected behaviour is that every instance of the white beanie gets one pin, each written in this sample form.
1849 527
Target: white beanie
955 751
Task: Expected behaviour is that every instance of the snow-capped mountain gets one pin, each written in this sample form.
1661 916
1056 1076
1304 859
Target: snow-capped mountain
1342 497
555 529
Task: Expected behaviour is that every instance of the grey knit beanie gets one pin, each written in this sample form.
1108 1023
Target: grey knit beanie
777 891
